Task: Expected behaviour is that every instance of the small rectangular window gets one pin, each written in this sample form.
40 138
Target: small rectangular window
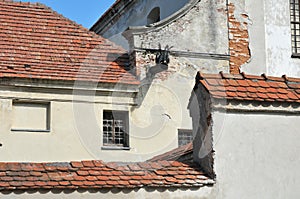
115 129
184 136
30 116
295 27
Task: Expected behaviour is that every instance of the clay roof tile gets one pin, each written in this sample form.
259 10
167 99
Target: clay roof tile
253 88
43 44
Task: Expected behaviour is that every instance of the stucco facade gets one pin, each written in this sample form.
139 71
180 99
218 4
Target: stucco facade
194 193
248 142
269 27
195 45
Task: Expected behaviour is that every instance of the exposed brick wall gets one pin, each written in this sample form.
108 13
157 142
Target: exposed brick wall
238 40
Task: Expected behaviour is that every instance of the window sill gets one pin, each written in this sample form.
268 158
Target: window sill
296 55
30 130
115 148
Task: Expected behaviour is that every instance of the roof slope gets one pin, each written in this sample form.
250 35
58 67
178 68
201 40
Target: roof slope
97 174
250 87
37 42
182 153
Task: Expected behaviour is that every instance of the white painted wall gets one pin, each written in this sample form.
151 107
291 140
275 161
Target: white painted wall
256 155
270 39
76 125
172 193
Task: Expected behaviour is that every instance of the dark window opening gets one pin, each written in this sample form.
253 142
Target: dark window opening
295 27
184 137
115 129
154 16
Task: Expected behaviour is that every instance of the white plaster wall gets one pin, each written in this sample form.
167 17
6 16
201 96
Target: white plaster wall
270 39
257 37
76 126
256 155
172 193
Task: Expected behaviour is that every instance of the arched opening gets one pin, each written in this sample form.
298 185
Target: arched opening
154 16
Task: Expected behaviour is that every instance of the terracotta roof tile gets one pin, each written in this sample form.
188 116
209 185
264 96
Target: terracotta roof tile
161 173
251 87
38 43
175 154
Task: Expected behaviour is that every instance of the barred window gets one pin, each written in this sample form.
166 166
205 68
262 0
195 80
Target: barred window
184 137
115 128
295 27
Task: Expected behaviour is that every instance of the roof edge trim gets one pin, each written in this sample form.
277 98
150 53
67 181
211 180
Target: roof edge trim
164 22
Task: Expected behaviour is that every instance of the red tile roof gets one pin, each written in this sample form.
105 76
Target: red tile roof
37 42
97 175
250 87
183 152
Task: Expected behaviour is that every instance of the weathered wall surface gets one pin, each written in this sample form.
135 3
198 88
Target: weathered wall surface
269 38
76 127
196 46
136 15
149 193
258 158
203 29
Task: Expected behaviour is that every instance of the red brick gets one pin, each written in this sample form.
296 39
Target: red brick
98 163
106 173
97 173
4 184
6 178
89 183
64 183
100 182
52 183
79 178
104 178
3 167
28 184
82 173
292 96
76 164
40 183
134 167
88 163
35 173
77 183
112 182
134 182
241 89
124 183
282 91
171 179
161 172
92 178
15 183
13 167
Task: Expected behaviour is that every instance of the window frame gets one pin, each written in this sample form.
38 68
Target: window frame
48 116
184 131
116 115
295 27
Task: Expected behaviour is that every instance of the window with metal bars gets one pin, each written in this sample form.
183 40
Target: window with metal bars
184 136
295 27
115 128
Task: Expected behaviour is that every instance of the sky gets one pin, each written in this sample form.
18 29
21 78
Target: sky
84 12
